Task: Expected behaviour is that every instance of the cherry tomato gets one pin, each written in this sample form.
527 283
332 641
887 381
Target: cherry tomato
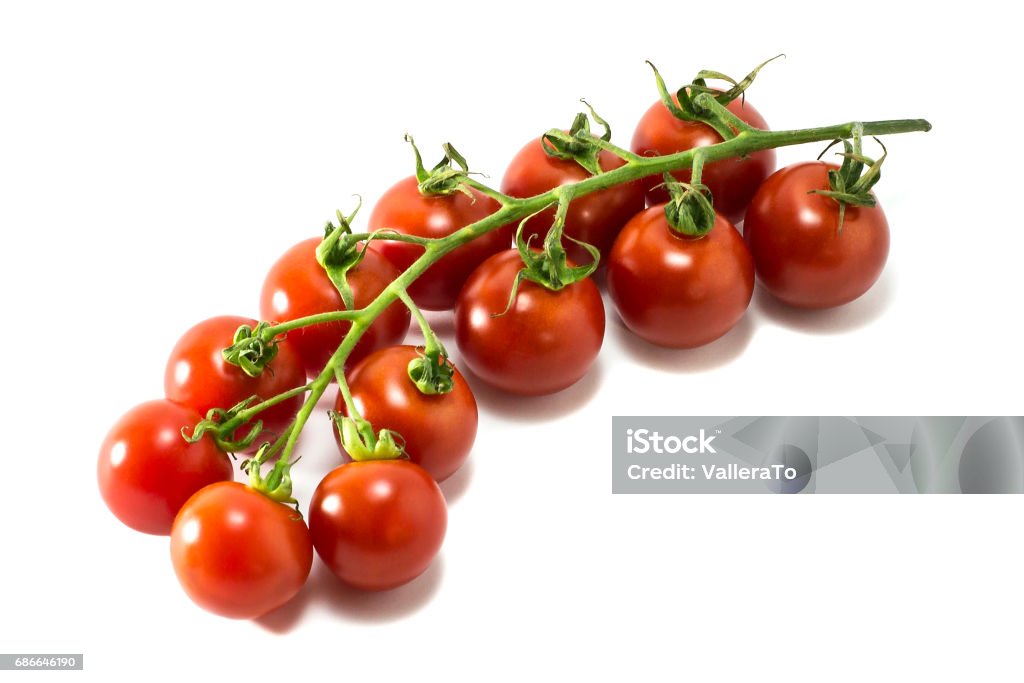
198 376
297 286
147 470
239 554
732 181
404 209
679 291
378 524
594 218
801 256
544 343
438 429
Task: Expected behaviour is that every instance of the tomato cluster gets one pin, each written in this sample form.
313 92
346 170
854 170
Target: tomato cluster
527 321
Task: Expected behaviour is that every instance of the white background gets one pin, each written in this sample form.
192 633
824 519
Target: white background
155 161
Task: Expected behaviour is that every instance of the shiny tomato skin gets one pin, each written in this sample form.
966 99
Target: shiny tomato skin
239 554
801 256
404 209
197 375
439 429
146 469
732 181
679 291
378 524
547 340
297 286
595 218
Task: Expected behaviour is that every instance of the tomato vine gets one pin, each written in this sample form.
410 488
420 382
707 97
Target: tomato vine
744 141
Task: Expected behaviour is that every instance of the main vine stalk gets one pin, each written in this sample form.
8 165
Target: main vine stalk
746 141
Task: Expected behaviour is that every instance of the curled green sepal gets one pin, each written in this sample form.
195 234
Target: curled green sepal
738 89
362 443
251 349
338 253
578 144
549 267
850 184
277 485
444 178
432 372
213 426
688 106
690 210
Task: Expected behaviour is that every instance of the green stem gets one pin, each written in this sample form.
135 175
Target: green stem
244 416
346 395
329 317
620 152
392 235
497 196
722 113
698 167
431 345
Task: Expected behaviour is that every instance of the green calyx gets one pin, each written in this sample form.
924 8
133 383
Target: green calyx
277 485
851 183
444 178
362 443
213 425
578 144
689 105
431 371
690 210
338 253
251 349
549 267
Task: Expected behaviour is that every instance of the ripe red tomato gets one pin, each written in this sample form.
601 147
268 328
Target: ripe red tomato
732 181
198 376
404 209
544 343
679 291
297 286
438 429
147 470
801 255
378 524
594 218
239 554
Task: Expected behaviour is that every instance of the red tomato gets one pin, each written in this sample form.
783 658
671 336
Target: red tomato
198 376
679 291
438 429
595 218
732 181
404 209
378 524
802 257
544 343
239 554
147 470
297 286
